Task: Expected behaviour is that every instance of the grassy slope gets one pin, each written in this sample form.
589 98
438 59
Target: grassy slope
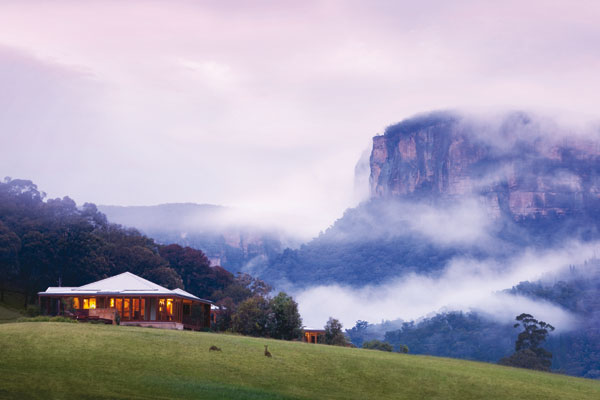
8 314
53 360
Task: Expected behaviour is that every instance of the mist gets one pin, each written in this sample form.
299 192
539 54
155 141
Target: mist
465 285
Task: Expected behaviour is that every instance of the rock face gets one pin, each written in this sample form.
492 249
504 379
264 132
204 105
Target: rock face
515 167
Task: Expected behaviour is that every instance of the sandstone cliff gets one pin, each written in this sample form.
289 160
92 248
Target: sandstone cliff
517 167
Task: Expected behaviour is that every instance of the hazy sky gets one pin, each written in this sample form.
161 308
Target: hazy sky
264 105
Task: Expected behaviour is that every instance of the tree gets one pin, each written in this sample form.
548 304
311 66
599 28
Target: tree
194 268
403 349
244 286
377 345
287 323
528 351
10 245
333 333
253 317
226 310
164 276
358 333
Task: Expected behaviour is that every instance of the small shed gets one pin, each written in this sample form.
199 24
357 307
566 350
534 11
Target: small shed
312 335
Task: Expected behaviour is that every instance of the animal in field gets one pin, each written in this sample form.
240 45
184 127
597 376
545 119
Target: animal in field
214 348
267 352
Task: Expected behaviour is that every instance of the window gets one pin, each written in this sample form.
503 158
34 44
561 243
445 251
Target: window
112 303
119 306
76 303
162 310
170 306
89 303
135 309
126 309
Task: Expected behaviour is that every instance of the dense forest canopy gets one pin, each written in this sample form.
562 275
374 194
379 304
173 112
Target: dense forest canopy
51 242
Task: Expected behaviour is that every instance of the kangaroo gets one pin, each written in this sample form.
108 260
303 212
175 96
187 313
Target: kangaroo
214 348
267 352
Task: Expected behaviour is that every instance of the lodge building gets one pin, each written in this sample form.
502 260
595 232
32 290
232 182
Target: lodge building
130 299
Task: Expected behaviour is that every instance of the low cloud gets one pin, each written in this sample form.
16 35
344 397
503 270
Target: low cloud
465 221
465 285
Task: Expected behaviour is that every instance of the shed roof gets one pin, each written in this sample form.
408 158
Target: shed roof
127 284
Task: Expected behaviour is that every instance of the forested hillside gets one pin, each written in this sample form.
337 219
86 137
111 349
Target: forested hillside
52 242
446 185
380 240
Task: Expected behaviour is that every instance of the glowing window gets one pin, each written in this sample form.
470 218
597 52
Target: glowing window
89 303
76 303
112 303
126 309
170 306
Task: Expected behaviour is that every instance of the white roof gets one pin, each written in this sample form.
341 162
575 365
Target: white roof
184 293
122 284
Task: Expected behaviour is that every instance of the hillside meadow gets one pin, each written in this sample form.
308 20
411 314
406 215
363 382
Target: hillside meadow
84 361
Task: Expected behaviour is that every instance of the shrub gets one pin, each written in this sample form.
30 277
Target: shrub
377 345
403 349
33 310
526 358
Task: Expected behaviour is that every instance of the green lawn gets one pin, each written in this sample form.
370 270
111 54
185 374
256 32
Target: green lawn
84 361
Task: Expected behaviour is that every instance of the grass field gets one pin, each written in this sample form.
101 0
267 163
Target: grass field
83 361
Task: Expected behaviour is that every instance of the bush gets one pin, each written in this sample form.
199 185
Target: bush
377 345
526 359
33 310
403 349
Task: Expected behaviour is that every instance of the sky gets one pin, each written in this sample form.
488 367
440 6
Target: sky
266 106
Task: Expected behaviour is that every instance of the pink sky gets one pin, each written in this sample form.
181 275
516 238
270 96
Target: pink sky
264 105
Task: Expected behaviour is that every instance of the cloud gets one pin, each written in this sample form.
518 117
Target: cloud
465 221
269 105
217 75
466 285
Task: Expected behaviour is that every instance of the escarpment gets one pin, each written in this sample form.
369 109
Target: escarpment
516 169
